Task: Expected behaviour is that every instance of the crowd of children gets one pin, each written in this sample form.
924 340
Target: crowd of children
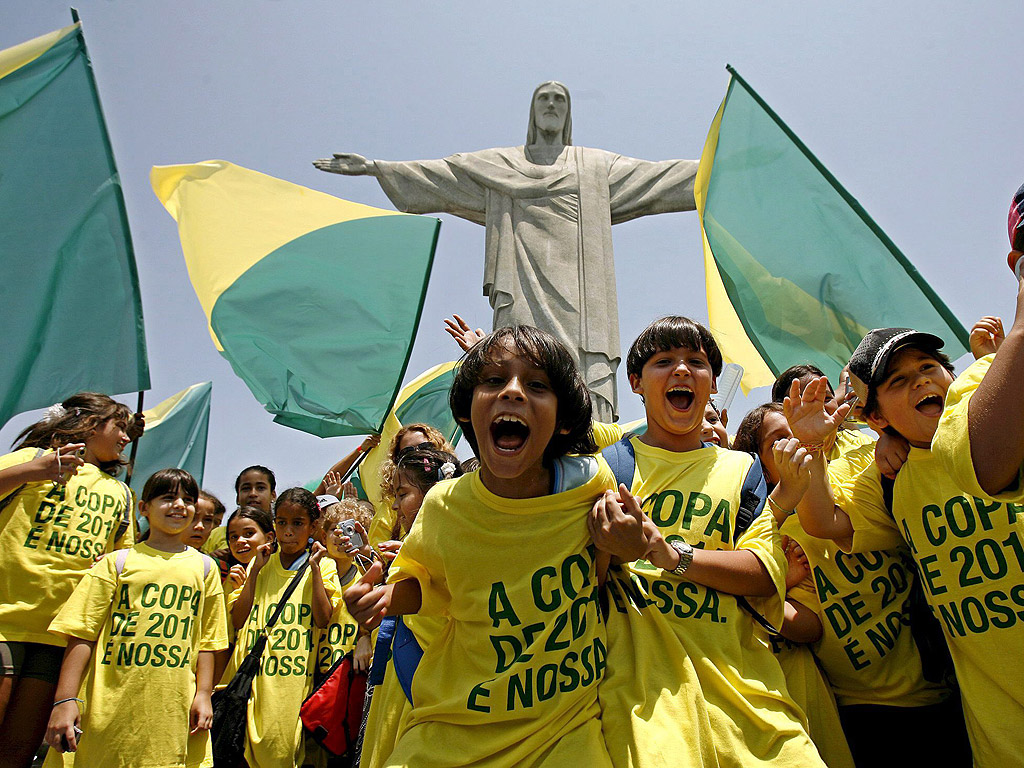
811 595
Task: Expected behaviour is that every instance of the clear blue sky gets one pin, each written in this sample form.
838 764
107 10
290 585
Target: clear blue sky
913 106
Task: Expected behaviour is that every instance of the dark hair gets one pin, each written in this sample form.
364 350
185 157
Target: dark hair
257 468
218 505
74 422
302 498
543 350
667 333
258 515
871 406
751 430
423 468
780 389
169 481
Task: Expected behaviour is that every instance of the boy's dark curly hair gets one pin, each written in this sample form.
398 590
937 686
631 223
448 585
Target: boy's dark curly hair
667 333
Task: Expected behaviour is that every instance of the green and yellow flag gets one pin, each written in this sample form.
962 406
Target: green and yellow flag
424 400
69 294
796 269
175 436
313 300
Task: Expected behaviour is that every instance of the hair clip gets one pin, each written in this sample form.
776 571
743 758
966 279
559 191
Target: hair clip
56 412
447 470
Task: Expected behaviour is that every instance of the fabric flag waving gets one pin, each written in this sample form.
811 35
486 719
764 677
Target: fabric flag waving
175 435
424 400
313 300
69 297
796 269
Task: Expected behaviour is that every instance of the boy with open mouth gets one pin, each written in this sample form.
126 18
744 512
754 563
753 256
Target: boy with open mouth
688 681
505 553
959 520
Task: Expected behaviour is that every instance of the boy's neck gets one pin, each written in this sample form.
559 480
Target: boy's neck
656 437
165 542
522 487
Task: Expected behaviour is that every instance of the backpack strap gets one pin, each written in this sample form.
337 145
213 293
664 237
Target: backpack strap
126 517
406 654
120 558
622 459
207 565
753 494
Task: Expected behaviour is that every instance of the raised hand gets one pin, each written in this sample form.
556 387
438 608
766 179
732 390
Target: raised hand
793 463
58 466
366 600
316 553
263 553
332 484
986 336
806 414
345 163
459 330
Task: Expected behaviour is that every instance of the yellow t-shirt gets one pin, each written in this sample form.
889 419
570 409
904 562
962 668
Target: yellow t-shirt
218 540
970 553
951 444
274 732
867 648
512 679
689 682
809 689
149 624
341 634
390 708
606 434
50 535
848 440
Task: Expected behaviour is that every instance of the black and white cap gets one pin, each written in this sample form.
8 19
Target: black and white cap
870 359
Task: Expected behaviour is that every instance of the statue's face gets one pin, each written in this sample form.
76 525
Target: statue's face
550 107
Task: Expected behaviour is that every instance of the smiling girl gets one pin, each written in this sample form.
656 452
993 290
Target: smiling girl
59 512
146 622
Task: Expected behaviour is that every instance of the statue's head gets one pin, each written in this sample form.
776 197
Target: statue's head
550 110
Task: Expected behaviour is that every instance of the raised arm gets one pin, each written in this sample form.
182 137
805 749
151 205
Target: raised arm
347 164
813 426
995 414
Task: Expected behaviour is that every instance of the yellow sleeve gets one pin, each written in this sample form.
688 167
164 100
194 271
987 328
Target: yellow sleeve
857 489
952 443
329 575
606 434
87 610
21 456
762 538
420 558
214 628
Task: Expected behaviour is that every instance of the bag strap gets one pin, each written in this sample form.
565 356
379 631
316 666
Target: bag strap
621 459
126 517
287 593
120 558
382 650
753 494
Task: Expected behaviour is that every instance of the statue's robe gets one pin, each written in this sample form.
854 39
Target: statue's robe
549 245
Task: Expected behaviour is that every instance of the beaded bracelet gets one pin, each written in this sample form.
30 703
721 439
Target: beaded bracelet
65 701
777 508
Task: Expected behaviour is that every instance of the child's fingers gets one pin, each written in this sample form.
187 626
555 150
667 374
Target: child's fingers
629 503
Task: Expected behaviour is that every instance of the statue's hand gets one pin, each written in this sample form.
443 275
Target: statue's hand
347 163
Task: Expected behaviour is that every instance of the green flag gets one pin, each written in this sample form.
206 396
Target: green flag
69 296
175 435
796 269
313 300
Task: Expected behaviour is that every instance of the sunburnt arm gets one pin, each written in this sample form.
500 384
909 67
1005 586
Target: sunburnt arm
819 516
995 414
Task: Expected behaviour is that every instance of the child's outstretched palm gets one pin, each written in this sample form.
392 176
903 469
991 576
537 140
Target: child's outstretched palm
806 414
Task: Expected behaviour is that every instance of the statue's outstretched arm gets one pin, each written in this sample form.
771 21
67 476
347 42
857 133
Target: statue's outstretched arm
348 164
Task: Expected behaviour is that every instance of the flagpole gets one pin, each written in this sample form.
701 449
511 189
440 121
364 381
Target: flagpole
135 446
354 467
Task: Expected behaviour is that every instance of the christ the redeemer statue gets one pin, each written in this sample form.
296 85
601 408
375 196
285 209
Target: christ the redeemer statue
548 207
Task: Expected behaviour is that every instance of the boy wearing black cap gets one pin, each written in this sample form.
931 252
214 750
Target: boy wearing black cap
969 550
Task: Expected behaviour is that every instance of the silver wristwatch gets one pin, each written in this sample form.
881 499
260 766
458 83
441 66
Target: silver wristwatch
685 556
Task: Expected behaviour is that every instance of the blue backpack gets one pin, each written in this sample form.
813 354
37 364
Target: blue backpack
622 459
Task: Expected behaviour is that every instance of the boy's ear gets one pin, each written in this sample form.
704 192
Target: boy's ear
636 384
714 384
563 430
876 421
724 416
462 419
